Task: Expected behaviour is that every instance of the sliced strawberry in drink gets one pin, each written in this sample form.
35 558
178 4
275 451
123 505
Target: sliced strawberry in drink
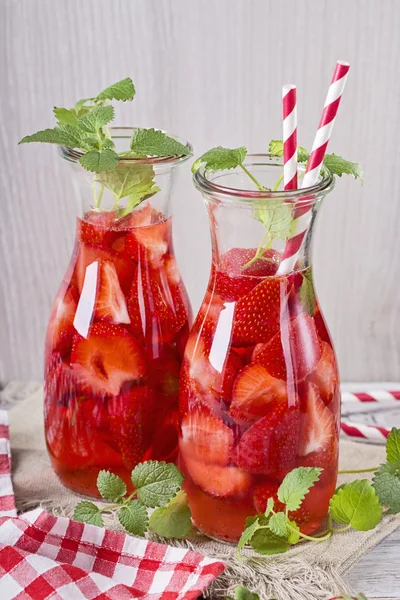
206 438
225 379
269 446
318 439
149 243
60 383
325 375
216 480
165 442
110 301
61 322
131 416
322 328
253 391
107 358
165 371
257 315
233 279
297 349
89 254
92 228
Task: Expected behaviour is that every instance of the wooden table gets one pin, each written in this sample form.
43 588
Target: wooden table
377 575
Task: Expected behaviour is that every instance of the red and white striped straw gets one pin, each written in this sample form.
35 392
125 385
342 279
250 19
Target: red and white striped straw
374 396
364 433
303 216
289 106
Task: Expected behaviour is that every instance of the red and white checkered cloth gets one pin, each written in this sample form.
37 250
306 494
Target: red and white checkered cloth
45 557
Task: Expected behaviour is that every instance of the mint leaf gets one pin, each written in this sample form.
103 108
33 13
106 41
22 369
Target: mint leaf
133 517
126 180
270 507
110 486
339 166
264 541
251 527
393 447
65 116
242 593
153 142
219 159
277 219
296 485
96 118
87 512
357 504
307 292
172 520
63 135
99 160
156 482
386 483
122 90
276 147
278 524
293 536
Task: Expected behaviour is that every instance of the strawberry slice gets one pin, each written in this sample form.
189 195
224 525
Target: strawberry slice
149 243
253 390
325 375
165 443
107 358
269 446
61 323
110 301
206 438
257 315
322 327
234 279
299 350
89 254
318 439
92 228
216 480
131 417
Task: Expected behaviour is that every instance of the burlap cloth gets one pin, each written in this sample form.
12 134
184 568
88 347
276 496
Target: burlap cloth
310 571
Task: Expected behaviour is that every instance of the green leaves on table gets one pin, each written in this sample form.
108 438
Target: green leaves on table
356 504
158 484
386 481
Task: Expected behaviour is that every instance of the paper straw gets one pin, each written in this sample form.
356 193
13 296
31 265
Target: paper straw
374 396
303 215
364 433
289 106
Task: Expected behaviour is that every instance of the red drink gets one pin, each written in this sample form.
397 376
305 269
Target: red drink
259 396
114 347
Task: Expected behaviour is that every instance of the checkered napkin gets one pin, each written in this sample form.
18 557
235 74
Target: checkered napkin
46 557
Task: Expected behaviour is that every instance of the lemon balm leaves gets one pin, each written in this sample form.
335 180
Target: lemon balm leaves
156 482
98 161
62 135
356 504
123 90
110 486
88 512
133 516
307 292
393 447
153 142
296 485
219 159
95 119
172 520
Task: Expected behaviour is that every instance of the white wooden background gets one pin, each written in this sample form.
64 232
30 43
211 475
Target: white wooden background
210 70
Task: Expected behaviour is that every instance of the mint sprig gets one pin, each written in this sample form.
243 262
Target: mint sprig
158 484
356 504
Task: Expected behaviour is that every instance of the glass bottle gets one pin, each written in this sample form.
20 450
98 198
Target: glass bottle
259 382
118 326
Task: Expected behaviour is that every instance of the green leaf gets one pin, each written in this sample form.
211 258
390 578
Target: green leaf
278 524
296 485
293 536
264 541
386 483
65 116
270 506
251 528
156 482
153 142
339 166
357 504
127 180
242 593
87 512
96 118
99 160
276 147
172 520
133 517
122 90
277 219
63 135
307 292
219 159
110 486
393 447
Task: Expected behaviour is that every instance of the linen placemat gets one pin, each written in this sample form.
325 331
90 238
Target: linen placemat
307 572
